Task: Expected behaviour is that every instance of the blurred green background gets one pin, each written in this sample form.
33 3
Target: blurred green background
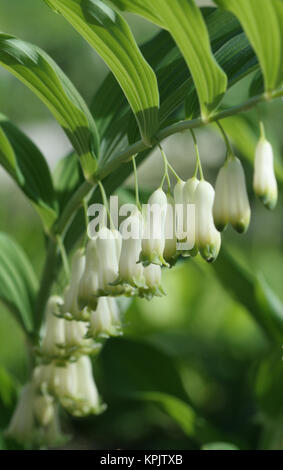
197 366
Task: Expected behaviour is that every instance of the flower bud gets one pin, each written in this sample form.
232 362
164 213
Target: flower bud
264 183
22 424
71 307
101 320
54 335
208 239
221 200
153 240
130 272
44 409
238 207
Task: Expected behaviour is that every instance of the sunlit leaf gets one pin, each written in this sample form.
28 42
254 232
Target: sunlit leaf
39 72
26 165
109 34
185 23
141 7
262 21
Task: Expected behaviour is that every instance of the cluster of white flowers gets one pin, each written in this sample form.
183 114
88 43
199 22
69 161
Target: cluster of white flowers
128 263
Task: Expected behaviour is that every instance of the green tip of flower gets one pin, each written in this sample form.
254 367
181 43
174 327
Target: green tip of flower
269 202
209 253
240 226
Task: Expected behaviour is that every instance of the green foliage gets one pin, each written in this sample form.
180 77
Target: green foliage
27 166
205 368
39 72
262 21
18 283
109 34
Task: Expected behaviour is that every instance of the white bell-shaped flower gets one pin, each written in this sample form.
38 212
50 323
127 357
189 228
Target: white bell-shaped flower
108 244
86 397
188 246
153 240
71 307
44 409
130 271
221 200
76 341
64 382
53 340
43 378
170 249
152 274
90 282
208 239
101 320
264 182
239 206
179 210
114 312
22 425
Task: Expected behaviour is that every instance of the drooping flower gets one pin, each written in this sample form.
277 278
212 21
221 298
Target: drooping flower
239 207
189 190
153 240
83 398
208 239
152 275
71 307
104 321
44 409
130 271
231 202
221 200
101 270
22 425
170 249
53 340
179 210
90 281
264 182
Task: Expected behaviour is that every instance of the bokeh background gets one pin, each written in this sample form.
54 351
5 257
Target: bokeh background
195 367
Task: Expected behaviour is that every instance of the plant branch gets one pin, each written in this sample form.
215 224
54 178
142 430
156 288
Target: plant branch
82 192
182 126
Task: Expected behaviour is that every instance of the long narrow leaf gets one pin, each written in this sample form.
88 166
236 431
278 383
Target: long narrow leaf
26 165
262 21
109 34
185 23
39 72
18 284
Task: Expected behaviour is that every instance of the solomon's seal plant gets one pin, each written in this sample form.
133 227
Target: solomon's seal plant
144 100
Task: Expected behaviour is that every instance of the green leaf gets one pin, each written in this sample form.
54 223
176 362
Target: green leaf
26 165
252 293
219 446
67 177
185 23
39 72
18 283
143 8
262 21
149 374
109 34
